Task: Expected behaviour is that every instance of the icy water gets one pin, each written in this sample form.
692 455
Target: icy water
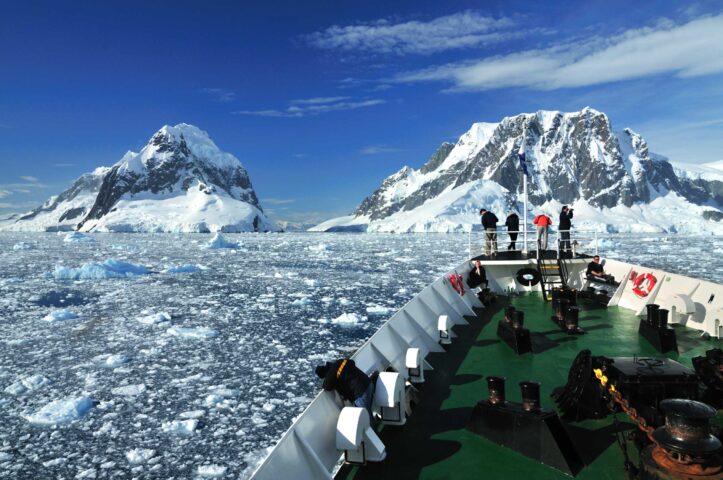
192 361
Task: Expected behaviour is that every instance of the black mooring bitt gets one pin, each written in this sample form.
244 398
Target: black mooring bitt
538 434
662 338
518 339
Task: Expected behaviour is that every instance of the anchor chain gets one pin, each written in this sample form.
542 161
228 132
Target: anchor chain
625 405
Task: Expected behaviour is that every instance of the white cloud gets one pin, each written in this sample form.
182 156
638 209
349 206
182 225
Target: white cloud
28 178
297 109
689 50
459 30
277 201
219 94
5 193
377 150
318 100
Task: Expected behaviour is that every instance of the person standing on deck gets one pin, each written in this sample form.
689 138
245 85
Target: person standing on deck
543 223
513 226
489 222
564 228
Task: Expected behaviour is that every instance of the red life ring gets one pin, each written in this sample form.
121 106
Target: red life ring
460 283
453 280
644 284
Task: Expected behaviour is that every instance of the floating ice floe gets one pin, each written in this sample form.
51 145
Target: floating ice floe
88 473
94 271
349 319
378 310
112 361
60 315
192 414
185 268
192 332
77 237
320 248
219 242
180 427
211 471
27 385
23 246
5 456
129 390
64 410
155 318
140 455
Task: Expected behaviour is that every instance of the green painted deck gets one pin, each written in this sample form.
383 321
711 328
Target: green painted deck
434 444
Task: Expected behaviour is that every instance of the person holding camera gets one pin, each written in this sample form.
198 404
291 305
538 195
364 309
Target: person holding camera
564 229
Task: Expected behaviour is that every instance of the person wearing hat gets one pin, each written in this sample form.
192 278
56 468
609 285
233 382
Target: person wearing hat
350 383
564 228
489 222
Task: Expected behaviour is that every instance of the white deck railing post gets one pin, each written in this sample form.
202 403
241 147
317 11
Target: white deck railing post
596 241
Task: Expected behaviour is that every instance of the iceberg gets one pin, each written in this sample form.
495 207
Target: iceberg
62 411
77 237
23 246
95 271
218 242
60 315
193 333
185 268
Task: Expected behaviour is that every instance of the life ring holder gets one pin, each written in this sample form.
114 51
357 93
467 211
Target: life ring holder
644 284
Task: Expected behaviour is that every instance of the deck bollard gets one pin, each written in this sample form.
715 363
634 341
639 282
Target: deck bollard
652 313
518 319
662 319
496 387
530 395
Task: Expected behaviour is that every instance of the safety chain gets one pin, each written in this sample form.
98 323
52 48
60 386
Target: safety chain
625 405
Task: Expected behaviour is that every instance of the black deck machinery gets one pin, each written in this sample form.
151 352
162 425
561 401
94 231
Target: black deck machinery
663 398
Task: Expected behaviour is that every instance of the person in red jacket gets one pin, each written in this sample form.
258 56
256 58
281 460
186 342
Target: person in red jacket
543 223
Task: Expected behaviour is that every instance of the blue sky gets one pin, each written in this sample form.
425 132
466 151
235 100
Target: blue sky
321 100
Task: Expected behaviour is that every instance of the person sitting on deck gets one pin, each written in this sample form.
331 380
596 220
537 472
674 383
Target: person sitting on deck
543 223
595 271
350 383
477 276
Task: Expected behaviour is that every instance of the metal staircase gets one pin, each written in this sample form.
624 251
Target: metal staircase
553 273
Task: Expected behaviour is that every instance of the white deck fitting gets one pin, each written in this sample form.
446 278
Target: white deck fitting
308 449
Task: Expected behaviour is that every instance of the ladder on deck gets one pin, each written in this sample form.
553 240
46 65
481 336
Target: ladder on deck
553 273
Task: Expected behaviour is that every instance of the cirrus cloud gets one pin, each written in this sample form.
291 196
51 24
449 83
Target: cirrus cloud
686 50
313 106
459 30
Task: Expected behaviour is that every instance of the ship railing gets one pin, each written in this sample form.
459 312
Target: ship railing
580 241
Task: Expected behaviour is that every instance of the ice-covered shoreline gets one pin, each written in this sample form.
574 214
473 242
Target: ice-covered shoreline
205 359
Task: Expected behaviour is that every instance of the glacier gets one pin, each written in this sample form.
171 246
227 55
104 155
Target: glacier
244 385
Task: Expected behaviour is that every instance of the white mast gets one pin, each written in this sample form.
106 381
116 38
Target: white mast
521 154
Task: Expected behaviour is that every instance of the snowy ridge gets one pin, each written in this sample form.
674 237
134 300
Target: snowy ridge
574 158
180 181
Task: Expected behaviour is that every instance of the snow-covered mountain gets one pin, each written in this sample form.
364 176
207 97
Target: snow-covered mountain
609 176
179 182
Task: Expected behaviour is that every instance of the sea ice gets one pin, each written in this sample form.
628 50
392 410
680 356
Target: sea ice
94 271
192 414
64 410
77 237
140 455
211 471
378 310
219 242
59 315
112 361
196 333
23 246
349 319
154 318
27 385
129 390
180 427
185 268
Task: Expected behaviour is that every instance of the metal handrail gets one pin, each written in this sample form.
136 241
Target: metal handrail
575 236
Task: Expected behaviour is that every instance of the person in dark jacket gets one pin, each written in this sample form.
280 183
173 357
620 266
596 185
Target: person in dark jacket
564 228
477 276
489 222
513 226
350 383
